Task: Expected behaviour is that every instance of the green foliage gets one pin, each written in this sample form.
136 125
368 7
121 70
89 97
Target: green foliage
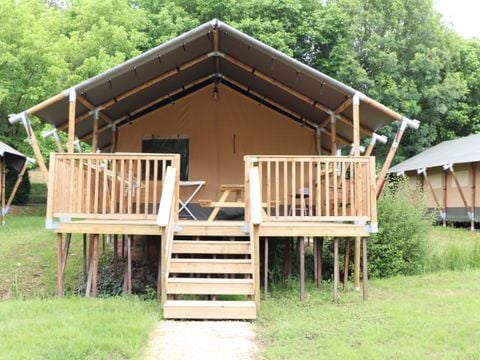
23 191
398 52
400 246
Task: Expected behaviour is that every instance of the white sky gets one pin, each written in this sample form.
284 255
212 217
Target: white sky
464 15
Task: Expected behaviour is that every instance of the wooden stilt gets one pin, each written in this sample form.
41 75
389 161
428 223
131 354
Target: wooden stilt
365 269
71 120
66 249
315 261
123 246
302 268
287 257
2 187
356 124
95 265
265 269
319 262
161 291
115 253
445 182
103 244
129 265
59 265
84 265
346 264
336 269
356 265
473 189
144 258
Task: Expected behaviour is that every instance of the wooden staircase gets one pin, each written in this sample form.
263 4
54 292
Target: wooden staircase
210 277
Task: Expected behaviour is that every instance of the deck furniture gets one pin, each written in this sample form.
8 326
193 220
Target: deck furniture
184 204
225 190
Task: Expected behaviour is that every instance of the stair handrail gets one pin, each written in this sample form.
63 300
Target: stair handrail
256 219
166 216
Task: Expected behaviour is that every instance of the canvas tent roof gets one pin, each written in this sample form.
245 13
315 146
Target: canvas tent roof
463 150
13 158
188 62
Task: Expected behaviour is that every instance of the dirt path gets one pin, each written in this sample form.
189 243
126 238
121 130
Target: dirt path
178 340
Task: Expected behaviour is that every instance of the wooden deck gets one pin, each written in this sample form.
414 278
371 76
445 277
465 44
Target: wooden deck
213 228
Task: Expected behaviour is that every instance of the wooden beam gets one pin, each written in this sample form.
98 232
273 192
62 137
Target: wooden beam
287 256
255 238
95 265
346 264
15 187
302 268
85 260
319 250
46 103
393 114
336 269
429 184
333 135
95 132
462 194
59 265
72 103
365 269
66 249
289 90
265 269
356 124
36 149
474 179
356 264
2 187
445 182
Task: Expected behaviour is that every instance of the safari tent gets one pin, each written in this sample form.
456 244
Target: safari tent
213 143
449 175
9 157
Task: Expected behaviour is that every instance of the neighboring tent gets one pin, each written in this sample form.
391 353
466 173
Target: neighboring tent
17 161
449 174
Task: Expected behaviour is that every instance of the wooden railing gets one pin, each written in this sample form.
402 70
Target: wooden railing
107 186
316 188
167 212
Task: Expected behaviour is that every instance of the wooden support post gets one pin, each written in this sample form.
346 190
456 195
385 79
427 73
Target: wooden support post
72 102
115 253
2 188
315 260
462 194
66 249
356 264
265 269
287 257
445 182
319 261
161 293
59 265
432 191
336 269
95 131
36 149
95 265
473 189
333 134
123 246
84 265
356 124
365 268
391 153
129 265
346 264
255 237
15 187
302 268
113 146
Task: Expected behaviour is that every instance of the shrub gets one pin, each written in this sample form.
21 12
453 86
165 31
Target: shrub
23 192
400 246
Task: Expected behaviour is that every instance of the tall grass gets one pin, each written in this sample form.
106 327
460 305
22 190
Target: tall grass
452 249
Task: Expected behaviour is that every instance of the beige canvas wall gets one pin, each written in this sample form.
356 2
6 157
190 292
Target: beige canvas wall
220 133
437 179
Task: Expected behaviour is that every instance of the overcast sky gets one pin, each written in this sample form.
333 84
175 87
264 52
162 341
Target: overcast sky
462 14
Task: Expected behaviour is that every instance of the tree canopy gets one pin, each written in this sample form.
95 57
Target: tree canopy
397 51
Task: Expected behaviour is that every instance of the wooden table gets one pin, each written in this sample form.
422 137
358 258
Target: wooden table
226 190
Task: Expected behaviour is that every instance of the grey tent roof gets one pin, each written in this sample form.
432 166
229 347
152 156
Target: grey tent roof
197 44
458 151
13 158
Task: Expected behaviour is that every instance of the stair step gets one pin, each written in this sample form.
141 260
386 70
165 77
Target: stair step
204 286
210 247
211 266
204 309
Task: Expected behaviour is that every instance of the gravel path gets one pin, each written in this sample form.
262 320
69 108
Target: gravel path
178 340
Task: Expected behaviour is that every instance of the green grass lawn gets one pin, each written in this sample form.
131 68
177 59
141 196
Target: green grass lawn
75 328
434 316
28 258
